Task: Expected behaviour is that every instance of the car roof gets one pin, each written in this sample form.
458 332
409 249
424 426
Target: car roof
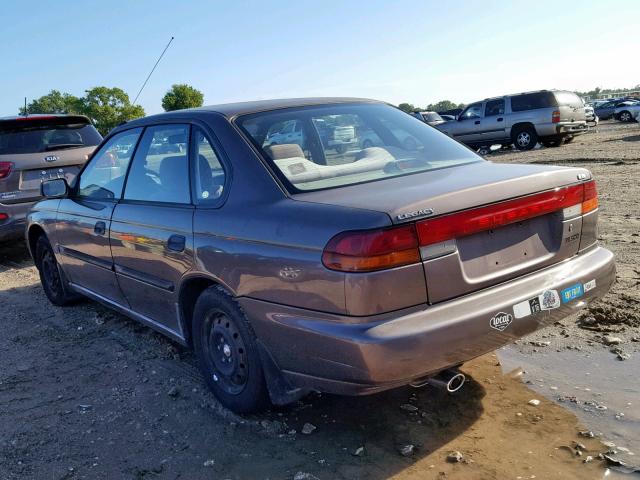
231 110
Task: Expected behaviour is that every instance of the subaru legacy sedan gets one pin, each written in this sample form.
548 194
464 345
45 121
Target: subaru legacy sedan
292 268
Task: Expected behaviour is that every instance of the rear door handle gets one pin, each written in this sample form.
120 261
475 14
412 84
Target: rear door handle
477 122
176 243
100 228
500 119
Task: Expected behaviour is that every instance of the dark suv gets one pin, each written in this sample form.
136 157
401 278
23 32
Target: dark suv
34 148
548 116
295 267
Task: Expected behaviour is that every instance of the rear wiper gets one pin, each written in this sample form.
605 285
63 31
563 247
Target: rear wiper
59 146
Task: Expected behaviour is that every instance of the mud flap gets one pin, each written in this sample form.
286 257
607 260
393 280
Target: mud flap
280 390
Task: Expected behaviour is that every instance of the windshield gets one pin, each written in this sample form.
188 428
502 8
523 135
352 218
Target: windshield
39 135
313 148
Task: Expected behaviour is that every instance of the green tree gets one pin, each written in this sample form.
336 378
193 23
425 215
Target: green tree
182 96
54 102
109 107
442 106
407 107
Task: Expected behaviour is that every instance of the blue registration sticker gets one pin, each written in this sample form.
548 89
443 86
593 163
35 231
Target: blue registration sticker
571 293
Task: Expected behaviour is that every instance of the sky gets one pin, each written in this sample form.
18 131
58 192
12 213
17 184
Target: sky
398 51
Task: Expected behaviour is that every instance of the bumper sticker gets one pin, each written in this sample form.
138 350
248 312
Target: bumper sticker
571 293
590 285
547 301
501 320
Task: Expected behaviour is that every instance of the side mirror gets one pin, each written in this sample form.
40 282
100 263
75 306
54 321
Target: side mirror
56 188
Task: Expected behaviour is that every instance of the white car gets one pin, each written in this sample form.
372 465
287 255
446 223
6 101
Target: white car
627 111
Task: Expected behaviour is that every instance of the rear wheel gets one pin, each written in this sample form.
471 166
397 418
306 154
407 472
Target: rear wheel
227 352
625 116
367 143
569 139
340 149
524 138
51 276
552 142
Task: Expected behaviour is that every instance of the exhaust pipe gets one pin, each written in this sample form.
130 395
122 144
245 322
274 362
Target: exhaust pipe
449 380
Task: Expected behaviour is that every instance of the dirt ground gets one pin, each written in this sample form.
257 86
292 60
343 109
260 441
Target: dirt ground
87 393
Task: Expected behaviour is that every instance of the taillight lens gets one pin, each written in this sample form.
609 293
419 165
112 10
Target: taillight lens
555 116
5 169
590 199
480 219
367 251
3 216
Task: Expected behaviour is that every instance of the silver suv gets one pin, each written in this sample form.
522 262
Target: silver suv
551 117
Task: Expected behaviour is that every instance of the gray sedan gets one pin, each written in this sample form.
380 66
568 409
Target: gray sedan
292 268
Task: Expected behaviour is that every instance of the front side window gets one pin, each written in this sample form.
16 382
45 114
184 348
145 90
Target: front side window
346 144
472 111
160 168
104 176
209 174
494 107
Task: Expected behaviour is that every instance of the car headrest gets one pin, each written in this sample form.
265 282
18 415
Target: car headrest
286 150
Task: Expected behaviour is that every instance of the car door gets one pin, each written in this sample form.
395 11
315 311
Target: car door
84 218
493 122
152 226
468 127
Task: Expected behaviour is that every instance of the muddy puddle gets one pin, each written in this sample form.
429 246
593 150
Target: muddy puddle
603 392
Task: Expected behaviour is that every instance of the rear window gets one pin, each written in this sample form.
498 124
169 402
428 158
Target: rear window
37 135
569 99
532 101
313 148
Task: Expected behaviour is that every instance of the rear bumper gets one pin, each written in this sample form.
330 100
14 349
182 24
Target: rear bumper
361 355
572 128
13 227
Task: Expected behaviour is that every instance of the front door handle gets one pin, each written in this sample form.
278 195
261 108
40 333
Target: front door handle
176 243
500 119
100 228
477 122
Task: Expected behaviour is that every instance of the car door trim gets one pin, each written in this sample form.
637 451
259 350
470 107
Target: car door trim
144 278
176 335
69 252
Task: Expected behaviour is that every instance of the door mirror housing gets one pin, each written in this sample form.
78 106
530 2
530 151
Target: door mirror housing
56 188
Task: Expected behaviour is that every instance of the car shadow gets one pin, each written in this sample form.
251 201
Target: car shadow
631 138
14 254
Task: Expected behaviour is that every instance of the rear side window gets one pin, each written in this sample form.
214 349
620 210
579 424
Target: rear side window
533 101
38 134
569 99
209 174
160 168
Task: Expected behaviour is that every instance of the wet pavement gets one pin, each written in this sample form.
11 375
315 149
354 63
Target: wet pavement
601 390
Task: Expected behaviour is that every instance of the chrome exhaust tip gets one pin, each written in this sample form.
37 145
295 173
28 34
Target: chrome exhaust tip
448 380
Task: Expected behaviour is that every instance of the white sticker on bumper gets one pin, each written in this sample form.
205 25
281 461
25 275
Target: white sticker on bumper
590 285
522 309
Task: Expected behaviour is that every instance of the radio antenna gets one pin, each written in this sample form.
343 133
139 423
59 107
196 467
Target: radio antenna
151 72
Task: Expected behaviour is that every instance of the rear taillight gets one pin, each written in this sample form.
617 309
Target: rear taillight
496 215
590 199
367 251
5 169
371 250
555 116
3 216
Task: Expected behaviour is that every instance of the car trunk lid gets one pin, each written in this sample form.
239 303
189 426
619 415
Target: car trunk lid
461 264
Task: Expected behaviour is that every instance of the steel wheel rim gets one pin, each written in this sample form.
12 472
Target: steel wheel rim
50 272
226 353
625 117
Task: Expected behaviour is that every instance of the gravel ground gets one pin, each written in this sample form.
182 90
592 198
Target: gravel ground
87 393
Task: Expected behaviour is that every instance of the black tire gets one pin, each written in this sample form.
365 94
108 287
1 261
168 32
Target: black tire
340 149
52 278
524 138
227 352
569 139
625 116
